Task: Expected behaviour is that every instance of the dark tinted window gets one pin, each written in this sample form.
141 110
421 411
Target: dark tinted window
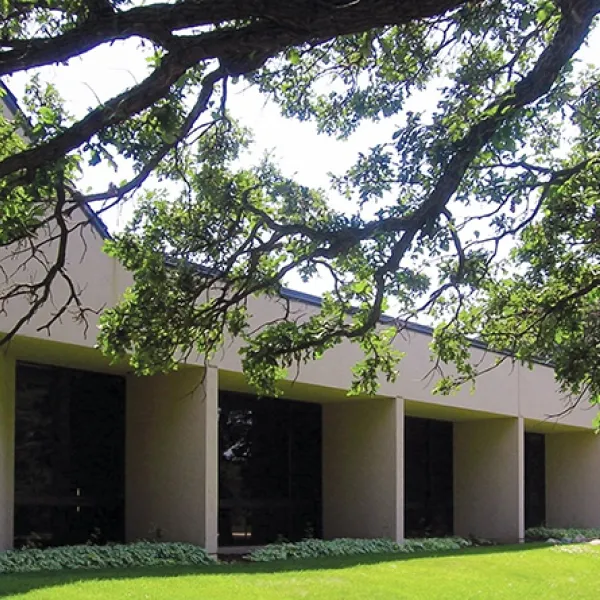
428 487
269 471
69 456
535 479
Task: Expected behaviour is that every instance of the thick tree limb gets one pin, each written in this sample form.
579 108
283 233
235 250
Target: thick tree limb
158 22
239 50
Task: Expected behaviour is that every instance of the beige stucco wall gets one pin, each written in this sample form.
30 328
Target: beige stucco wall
99 280
510 389
7 460
363 469
573 480
172 448
489 479
171 457
540 398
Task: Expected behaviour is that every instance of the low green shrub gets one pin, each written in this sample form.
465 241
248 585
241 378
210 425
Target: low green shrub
314 548
140 554
541 534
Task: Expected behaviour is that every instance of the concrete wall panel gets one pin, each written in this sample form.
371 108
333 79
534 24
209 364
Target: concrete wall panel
171 454
489 479
573 480
363 469
509 390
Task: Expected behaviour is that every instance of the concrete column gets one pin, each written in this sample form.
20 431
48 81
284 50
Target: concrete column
7 449
363 469
573 479
489 479
171 457
399 454
211 460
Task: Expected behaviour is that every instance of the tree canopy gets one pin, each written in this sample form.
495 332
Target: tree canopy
510 151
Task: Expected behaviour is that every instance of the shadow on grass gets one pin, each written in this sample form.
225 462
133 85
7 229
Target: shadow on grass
20 583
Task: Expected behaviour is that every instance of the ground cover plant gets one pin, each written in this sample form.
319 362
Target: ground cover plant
314 548
541 534
140 554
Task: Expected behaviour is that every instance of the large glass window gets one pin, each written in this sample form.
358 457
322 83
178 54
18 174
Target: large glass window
428 489
535 479
269 471
69 456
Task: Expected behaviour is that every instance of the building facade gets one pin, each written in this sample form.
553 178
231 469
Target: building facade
90 451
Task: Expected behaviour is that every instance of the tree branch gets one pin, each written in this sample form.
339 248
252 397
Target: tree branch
239 50
303 20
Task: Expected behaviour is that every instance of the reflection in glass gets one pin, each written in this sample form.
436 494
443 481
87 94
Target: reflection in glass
269 470
428 464
535 480
69 456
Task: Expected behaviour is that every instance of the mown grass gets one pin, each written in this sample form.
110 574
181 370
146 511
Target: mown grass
523 572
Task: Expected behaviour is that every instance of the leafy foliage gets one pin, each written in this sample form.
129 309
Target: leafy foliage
314 548
140 554
494 142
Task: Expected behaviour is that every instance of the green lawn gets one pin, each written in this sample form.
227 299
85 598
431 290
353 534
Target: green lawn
522 572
